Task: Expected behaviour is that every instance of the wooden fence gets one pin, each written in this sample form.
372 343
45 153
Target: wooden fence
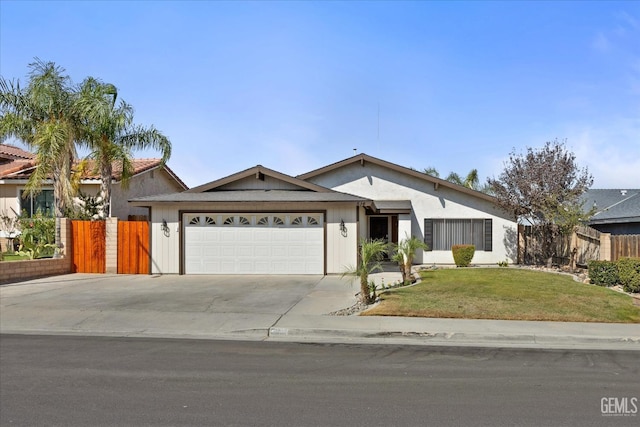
623 246
586 241
90 242
584 245
133 247
89 246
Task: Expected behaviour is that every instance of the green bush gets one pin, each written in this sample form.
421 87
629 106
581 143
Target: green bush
603 273
37 236
629 274
463 254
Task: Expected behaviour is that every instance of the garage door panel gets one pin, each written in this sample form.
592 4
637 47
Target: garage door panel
313 251
279 251
245 235
253 249
262 236
279 237
244 251
193 251
262 251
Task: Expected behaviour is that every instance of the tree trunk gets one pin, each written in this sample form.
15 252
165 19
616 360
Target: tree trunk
106 171
364 289
403 271
407 273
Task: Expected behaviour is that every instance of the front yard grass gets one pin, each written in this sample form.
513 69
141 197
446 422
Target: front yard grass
12 257
507 294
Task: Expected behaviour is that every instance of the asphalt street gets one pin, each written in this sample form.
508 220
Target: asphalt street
73 380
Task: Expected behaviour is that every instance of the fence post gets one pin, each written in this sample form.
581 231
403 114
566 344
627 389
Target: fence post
66 239
573 248
522 244
605 247
111 245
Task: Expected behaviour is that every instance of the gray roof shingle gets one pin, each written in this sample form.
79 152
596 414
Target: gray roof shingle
250 196
613 205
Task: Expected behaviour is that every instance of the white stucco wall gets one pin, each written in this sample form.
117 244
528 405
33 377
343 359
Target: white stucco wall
379 183
9 199
340 250
148 183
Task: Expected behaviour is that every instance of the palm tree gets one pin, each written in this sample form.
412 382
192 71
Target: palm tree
405 252
111 135
455 178
42 116
432 171
371 252
472 180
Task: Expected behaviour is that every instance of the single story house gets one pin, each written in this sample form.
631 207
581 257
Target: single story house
261 221
17 165
617 211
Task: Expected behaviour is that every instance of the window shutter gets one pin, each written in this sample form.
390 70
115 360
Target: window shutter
428 233
488 235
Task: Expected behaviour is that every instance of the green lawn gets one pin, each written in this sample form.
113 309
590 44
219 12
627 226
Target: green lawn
12 257
508 294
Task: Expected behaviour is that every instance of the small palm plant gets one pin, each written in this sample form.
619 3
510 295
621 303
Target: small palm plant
370 255
405 252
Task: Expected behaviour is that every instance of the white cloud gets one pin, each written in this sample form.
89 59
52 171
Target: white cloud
629 20
611 154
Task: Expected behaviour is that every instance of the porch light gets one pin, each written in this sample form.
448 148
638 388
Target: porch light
343 228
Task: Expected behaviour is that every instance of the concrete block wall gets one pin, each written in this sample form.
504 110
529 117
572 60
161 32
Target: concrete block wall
65 238
111 248
15 271
605 247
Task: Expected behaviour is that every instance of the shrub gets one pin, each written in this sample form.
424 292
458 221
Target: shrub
463 254
603 273
629 274
37 236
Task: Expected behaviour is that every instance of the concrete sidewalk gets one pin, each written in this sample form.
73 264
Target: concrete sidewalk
278 309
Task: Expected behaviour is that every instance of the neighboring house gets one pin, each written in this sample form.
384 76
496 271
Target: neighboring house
17 165
260 221
617 211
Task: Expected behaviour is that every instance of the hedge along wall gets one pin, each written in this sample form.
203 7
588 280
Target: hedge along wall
15 271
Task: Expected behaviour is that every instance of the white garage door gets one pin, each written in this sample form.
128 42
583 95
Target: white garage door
287 243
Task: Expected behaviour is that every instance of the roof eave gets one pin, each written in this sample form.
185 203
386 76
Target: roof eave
623 220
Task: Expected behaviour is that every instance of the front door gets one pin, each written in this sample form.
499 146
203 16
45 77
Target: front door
379 227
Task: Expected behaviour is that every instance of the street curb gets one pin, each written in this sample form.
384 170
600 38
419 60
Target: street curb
459 338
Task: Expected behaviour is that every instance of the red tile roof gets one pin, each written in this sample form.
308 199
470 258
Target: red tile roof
12 152
14 159
139 166
16 163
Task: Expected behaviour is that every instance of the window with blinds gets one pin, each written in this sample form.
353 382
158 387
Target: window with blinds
441 234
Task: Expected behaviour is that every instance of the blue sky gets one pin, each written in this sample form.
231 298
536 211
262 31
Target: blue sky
298 85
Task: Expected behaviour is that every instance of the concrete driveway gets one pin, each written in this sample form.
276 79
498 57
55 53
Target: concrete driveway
123 305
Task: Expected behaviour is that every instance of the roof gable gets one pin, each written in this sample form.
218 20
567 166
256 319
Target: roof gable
363 159
258 178
91 172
